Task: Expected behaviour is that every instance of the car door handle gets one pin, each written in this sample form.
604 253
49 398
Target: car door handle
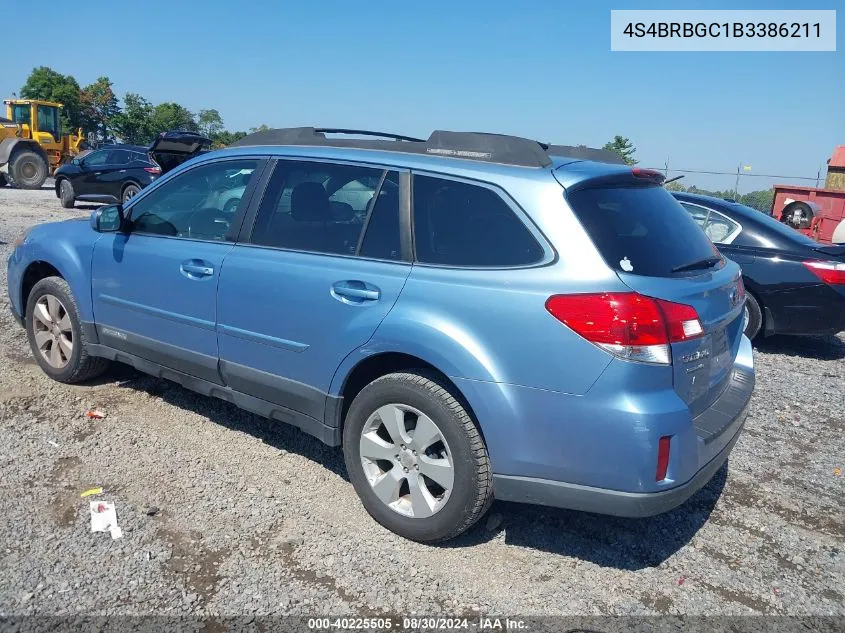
194 268
356 290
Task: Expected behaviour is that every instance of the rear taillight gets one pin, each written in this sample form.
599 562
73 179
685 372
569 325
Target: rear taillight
829 272
152 170
627 324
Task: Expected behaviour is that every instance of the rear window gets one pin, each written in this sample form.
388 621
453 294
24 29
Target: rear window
640 230
461 224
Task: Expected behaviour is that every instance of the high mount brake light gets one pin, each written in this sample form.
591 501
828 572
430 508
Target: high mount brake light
627 324
832 273
647 174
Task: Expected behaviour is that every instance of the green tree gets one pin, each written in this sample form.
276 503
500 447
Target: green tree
225 137
261 128
761 200
98 109
210 123
624 147
134 123
172 116
49 85
675 186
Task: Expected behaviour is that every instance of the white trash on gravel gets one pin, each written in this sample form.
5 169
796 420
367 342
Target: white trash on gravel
104 518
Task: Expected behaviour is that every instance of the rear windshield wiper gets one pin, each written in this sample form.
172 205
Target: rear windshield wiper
707 262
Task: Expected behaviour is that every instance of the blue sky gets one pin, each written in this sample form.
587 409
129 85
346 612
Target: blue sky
538 69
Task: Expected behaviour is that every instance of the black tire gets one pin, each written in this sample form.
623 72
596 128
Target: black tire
755 317
28 170
3 181
81 365
66 193
472 490
129 191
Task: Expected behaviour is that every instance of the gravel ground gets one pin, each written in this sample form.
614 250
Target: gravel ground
256 518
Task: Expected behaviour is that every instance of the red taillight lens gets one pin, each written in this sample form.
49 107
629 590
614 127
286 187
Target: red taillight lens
627 324
682 322
829 272
662 458
647 174
152 170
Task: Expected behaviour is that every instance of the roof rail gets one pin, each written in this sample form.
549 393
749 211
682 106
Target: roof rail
481 146
495 148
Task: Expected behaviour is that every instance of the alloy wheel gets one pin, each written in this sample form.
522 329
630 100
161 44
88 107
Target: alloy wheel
407 460
53 331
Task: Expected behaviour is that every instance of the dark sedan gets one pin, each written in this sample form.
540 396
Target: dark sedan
112 173
794 284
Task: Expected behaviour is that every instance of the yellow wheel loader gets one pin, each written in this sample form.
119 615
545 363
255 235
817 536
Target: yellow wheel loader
32 146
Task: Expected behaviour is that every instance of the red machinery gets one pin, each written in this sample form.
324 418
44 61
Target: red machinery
818 213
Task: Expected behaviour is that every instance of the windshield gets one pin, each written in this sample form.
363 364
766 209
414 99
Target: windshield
642 230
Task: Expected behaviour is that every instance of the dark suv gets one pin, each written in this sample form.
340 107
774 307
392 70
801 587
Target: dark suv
116 173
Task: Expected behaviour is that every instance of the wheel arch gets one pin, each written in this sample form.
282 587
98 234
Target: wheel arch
371 367
62 260
58 183
9 147
130 181
753 290
35 272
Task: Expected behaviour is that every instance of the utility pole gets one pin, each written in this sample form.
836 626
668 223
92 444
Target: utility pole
736 186
666 171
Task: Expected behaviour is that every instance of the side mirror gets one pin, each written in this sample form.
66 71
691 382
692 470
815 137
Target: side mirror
108 219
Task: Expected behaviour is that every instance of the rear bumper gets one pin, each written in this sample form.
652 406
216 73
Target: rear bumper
614 502
598 452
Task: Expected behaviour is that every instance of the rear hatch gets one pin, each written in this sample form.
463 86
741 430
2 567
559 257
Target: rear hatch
658 250
171 149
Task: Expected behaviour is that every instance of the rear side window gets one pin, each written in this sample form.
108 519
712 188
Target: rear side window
459 224
640 230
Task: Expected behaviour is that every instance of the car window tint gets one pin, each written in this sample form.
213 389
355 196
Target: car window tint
118 157
382 238
199 203
641 230
316 207
459 224
96 159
